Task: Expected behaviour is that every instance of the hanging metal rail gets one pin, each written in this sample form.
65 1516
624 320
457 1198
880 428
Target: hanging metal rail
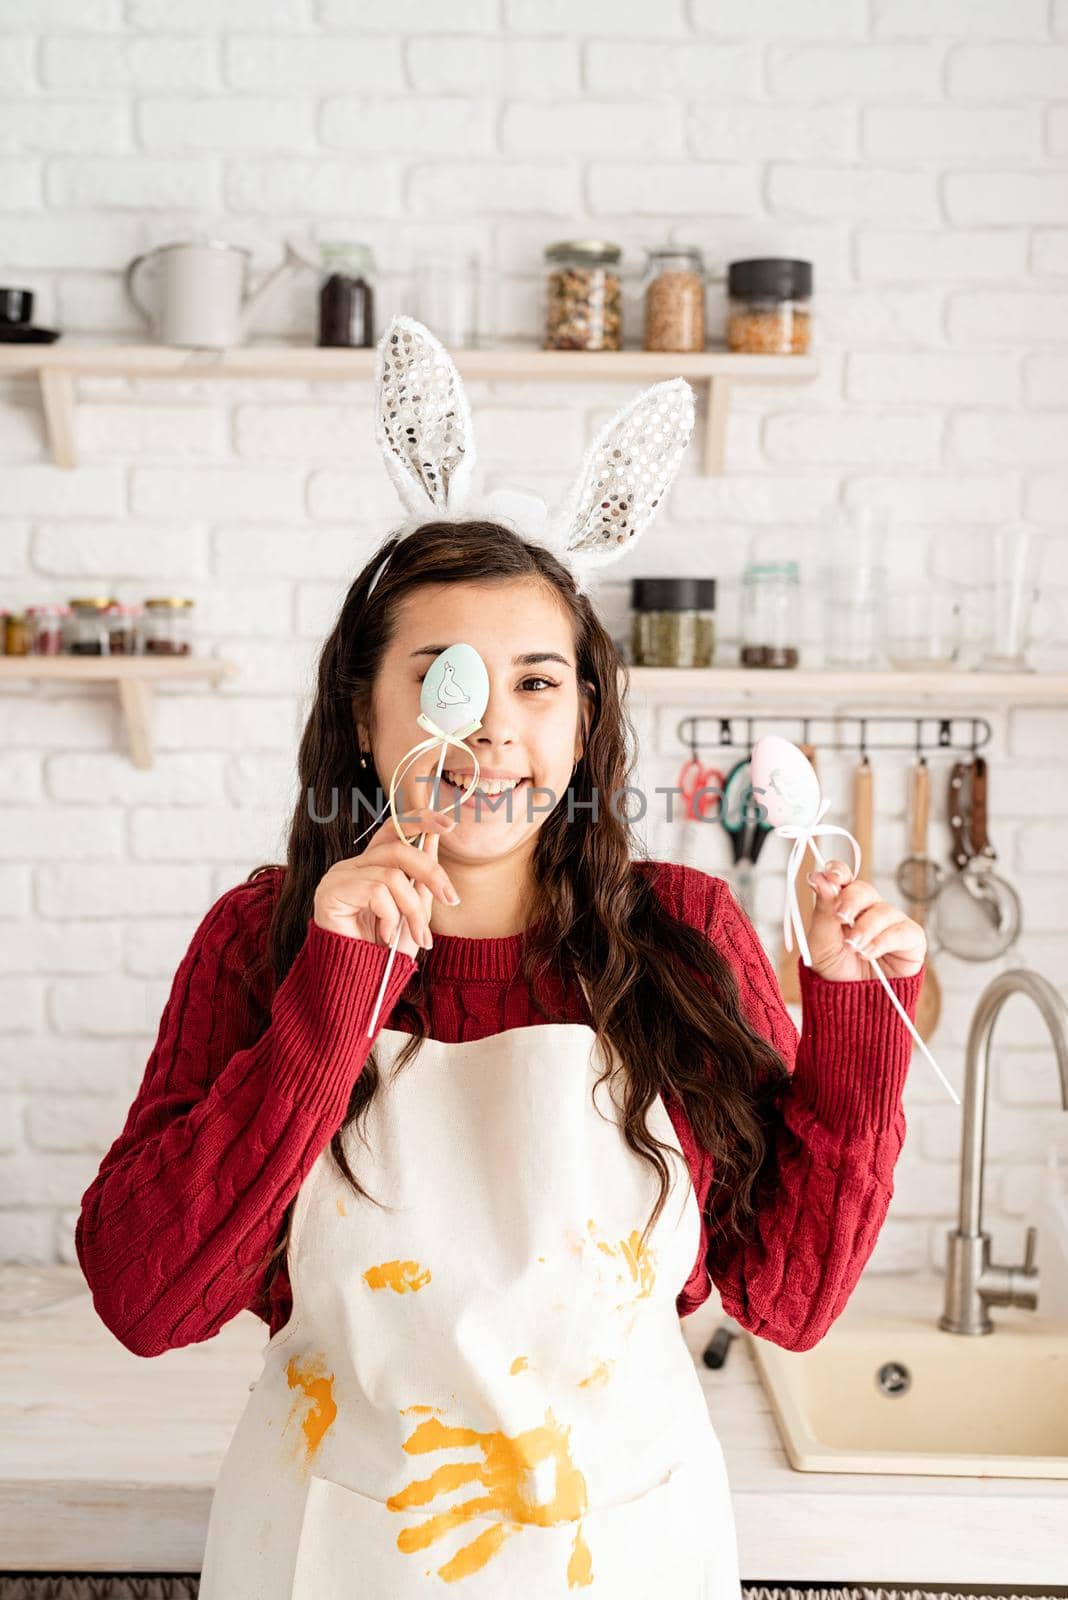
689 734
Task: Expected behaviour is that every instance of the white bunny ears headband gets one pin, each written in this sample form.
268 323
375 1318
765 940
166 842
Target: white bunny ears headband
423 427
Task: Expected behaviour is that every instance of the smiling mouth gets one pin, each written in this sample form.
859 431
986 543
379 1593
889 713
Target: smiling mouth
488 788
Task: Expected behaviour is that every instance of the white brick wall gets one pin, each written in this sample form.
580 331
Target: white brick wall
915 153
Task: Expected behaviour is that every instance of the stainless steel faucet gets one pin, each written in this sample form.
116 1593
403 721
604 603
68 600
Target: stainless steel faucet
973 1281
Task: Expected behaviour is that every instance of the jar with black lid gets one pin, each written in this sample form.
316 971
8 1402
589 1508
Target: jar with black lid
674 622
346 296
584 309
768 306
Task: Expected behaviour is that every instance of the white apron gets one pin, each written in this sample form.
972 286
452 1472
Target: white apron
483 1382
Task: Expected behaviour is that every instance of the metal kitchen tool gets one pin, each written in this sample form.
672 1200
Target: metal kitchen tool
919 877
977 915
744 821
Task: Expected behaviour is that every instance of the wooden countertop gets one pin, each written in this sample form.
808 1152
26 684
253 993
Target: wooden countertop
107 1461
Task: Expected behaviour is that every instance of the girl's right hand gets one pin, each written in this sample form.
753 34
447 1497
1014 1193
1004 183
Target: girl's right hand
366 896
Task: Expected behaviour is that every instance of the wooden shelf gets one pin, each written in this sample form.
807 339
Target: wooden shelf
56 366
726 687
132 676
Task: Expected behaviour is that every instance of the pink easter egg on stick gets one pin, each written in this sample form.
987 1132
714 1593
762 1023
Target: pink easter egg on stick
784 782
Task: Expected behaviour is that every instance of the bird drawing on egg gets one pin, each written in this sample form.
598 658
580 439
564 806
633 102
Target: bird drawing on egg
450 692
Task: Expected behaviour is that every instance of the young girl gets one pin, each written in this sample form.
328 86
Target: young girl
472 1234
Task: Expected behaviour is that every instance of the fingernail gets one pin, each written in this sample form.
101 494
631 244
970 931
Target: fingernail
427 939
452 897
846 917
811 880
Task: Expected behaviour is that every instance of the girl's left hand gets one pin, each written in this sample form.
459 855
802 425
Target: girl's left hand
850 908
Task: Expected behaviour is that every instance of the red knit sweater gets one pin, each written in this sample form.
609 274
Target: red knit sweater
232 1113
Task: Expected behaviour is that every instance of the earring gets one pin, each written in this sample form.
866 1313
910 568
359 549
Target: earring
363 758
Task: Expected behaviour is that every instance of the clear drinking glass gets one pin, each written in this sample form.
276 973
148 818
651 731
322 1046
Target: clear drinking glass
1012 591
447 284
923 627
854 589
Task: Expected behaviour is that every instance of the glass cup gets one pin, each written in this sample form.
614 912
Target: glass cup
923 627
447 296
853 580
1011 596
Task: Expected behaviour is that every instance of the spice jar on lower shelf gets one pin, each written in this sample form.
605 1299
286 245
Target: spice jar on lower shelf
674 622
167 626
768 306
770 605
585 308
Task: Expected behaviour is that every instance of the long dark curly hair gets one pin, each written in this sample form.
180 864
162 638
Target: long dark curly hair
648 975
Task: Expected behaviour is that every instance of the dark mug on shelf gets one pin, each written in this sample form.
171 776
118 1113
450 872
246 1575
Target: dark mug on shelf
16 307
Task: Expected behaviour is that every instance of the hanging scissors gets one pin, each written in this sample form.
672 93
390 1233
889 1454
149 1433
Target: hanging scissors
701 788
745 821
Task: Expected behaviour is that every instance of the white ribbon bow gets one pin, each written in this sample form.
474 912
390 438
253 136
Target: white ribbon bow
437 736
801 833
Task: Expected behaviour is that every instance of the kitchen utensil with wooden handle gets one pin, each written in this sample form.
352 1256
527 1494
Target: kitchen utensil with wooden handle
787 970
863 804
977 916
929 1008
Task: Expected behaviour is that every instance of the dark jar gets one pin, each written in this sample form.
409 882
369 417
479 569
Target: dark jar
674 622
346 297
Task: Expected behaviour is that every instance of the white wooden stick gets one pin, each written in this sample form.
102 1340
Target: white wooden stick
881 975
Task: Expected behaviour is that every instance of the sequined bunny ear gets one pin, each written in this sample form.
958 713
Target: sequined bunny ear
422 420
628 470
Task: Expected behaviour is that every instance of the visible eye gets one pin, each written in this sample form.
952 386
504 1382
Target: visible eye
550 681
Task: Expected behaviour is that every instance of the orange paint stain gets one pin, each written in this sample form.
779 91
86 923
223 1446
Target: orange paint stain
520 1364
403 1277
503 1481
318 1387
421 1411
580 1565
638 1259
601 1373
341 1207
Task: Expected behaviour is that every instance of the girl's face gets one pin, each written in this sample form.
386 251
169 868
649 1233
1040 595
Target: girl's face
534 725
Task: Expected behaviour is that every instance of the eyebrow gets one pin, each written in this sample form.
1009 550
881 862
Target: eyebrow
530 659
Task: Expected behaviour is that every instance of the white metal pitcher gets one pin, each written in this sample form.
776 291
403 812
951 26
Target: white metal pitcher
202 299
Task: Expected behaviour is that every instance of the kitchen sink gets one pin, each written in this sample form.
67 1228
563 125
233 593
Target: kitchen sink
887 1391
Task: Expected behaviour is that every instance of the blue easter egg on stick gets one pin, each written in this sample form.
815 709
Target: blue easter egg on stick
455 691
